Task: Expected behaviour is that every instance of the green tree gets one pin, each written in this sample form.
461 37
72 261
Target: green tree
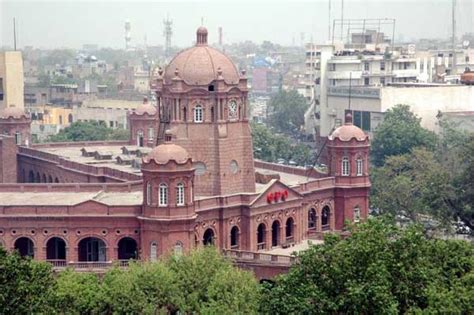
148 288
270 147
79 293
379 269
399 133
412 184
26 286
286 111
88 131
204 288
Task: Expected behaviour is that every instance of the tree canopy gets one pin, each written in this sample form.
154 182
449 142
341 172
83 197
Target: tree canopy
286 112
89 131
434 180
398 133
379 269
202 282
270 147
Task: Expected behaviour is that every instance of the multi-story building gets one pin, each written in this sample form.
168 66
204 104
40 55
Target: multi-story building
90 204
11 80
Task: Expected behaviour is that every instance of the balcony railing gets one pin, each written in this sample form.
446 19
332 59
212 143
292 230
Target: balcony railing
261 246
266 258
87 265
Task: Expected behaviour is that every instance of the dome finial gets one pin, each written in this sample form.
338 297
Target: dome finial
201 36
348 120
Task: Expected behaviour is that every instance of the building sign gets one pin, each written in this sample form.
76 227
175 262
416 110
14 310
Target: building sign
362 92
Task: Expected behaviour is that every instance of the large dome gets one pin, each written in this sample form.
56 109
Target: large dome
201 64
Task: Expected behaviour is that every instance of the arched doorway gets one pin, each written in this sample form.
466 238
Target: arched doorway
38 178
56 249
127 249
44 178
261 236
289 229
311 219
56 180
31 177
25 247
50 179
234 238
92 249
325 218
276 233
208 238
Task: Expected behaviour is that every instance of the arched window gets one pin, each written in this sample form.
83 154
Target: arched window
311 219
325 217
178 248
180 194
153 251
289 229
198 114
70 119
163 193
345 166
92 249
276 233
357 214
44 179
56 249
127 249
234 238
25 247
359 163
140 138
17 138
31 177
148 194
208 238
261 236
50 179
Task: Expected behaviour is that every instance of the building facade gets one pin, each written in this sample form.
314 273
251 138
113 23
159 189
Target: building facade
76 204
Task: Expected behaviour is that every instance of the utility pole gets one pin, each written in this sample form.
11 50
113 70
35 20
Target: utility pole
14 34
342 21
329 21
453 70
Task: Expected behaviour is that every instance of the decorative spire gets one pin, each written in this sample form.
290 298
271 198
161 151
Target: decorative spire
201 36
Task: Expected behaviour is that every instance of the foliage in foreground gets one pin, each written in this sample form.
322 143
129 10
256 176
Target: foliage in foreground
202 282
89 131
380 269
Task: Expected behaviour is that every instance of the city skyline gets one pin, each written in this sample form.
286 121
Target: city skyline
243 20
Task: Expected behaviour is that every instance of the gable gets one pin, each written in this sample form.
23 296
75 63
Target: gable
276 192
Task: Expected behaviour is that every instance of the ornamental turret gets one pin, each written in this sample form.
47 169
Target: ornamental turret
202 98
348 162
143 123
168 213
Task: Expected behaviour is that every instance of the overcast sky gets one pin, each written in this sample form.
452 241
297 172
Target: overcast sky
68 23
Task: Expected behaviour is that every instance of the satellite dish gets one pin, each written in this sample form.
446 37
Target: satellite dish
465 44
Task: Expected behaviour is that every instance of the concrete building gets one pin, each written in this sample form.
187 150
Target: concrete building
11 80
87 205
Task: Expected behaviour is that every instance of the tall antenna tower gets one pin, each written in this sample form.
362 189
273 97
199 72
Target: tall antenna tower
167 33
128 36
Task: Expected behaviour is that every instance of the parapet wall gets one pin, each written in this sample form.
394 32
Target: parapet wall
309 172
73 187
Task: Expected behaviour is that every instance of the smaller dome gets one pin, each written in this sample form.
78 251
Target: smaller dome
12 112
145 108
166 152
348 131
202 30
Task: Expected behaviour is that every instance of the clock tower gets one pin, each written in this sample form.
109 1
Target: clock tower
202 100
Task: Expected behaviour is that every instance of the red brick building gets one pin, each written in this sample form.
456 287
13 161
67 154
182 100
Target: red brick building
74 203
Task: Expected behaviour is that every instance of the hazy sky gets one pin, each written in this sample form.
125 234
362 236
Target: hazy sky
68 23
